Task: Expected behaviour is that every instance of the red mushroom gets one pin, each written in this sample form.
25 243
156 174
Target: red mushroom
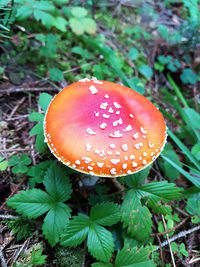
104 129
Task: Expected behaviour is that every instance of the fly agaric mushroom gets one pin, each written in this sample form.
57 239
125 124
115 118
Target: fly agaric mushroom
104 129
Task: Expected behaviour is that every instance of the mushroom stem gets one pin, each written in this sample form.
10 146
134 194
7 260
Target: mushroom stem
89 180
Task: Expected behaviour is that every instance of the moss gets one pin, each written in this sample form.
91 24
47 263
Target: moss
69 257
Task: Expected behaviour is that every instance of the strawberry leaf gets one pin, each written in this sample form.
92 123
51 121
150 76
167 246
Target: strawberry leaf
31 203
100 242
76 231
105 213
55 221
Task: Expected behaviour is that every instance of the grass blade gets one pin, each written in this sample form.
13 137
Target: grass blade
184 149
192 179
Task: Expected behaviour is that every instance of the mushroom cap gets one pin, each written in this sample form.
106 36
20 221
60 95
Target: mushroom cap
104 129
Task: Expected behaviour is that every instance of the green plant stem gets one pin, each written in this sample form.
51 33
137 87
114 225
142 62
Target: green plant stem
177 90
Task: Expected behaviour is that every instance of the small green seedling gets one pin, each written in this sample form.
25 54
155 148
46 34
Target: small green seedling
19 163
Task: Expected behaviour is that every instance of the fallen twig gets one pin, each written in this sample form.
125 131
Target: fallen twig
179 235
168 241
173 229
27 89
3 261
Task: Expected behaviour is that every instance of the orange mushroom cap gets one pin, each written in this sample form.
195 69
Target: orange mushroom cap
104 129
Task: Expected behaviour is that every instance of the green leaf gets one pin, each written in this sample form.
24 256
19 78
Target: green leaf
44 101
168 170
133 53
37 258
44 5
191 178
193 117
188 76
55 221
24 12
79 12
35 116
128 257
3 164
76 26
135 216
31 203
134 180
100 242
89 25
49 50
37 129
146 71
184 149
167 191
76 231
60 23
105 214
37 172
136 84
61 2
57 183
19 163
163 30
193 205
46 19
56 75
196 151
40 145
101 264
164 60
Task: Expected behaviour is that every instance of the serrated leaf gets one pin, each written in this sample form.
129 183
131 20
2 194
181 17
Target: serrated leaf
37 258
79 12
193 205
128 257
135 216
35 116
167 191
55 74
44 101
89 25
135 179
31 203
157 192
55 221
76 231
57 183
105 214
100 242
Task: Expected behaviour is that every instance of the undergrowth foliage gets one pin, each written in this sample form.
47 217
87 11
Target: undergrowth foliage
66 42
